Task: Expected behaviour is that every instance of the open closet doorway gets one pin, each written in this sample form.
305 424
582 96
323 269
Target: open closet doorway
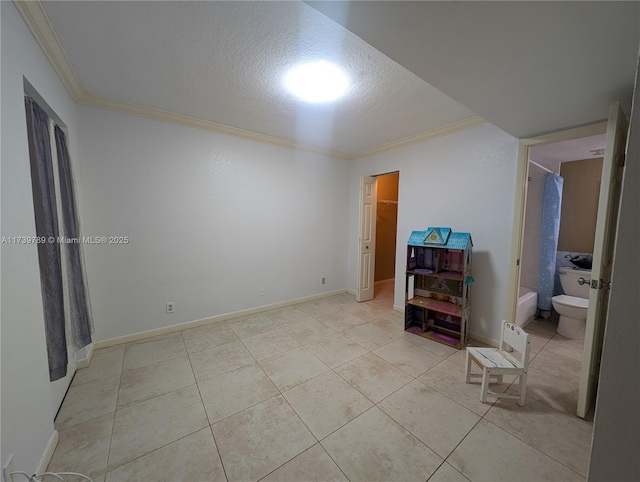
386 230
377 237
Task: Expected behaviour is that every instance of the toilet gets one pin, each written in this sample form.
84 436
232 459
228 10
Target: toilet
572 306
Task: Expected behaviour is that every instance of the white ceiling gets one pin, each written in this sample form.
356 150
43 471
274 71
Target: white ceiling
527 67
551 155
224 62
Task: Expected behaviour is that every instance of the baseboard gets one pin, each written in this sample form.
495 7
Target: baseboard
527 322
48 453
484 339
86 361
351 292
205 321
399 308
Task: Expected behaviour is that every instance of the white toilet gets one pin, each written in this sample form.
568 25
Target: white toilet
572 306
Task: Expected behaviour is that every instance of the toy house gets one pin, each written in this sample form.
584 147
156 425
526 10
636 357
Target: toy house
438 279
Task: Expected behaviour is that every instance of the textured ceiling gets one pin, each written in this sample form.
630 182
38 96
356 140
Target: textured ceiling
526 66
224 62
550 155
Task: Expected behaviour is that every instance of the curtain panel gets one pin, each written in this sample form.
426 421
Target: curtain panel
56 218
46 217
78 295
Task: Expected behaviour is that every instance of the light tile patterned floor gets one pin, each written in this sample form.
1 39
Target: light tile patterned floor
325 390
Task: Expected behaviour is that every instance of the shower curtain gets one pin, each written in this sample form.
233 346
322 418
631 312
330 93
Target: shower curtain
551 204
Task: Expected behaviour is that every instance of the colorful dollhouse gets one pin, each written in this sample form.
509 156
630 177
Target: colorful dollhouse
438 280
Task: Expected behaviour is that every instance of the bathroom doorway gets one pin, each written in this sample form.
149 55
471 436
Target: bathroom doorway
616 129
578 165
578 162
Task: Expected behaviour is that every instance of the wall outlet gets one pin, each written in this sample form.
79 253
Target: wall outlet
171 307
324 280
7 469
263 292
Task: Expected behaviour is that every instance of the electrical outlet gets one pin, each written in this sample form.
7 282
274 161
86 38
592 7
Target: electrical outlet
324 280
263 291
171 307
7 469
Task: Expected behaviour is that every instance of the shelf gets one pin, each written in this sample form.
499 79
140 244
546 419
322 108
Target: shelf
454 275
443 338
439 306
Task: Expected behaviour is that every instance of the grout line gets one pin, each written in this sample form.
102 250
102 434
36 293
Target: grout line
115 411
224 470
534 448
156 449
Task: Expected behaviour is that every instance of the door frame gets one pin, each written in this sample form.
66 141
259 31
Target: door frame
520 201
360 235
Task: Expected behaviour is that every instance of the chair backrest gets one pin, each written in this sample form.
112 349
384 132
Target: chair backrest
518 339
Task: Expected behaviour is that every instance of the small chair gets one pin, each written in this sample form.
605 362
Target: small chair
496 362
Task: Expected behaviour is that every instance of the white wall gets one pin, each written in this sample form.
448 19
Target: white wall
616 425
211 220
465 181
27 421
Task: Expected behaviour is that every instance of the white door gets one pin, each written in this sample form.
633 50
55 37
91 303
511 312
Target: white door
608 204
367 239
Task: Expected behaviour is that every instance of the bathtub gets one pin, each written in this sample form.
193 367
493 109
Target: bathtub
527 306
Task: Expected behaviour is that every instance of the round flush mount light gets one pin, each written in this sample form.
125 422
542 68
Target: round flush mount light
317 81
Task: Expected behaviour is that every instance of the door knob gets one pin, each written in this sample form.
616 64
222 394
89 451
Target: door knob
582 281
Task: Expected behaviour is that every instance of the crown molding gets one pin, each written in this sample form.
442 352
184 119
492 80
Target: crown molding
36 19
173 118
445 130
38 22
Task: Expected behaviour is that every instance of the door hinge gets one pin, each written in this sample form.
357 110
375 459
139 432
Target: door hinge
599 284
517 262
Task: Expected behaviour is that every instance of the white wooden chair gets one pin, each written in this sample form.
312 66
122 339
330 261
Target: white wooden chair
496 362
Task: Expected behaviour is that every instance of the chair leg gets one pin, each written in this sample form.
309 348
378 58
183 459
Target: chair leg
485 385
523 388
467 369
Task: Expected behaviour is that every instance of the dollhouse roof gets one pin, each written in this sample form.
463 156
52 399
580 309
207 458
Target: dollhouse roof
437 236
440 237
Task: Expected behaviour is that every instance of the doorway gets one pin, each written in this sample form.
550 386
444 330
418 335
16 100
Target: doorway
578 163
573 167
377 238
609 196
386 234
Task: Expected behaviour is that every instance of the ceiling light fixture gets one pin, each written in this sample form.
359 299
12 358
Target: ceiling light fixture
317 81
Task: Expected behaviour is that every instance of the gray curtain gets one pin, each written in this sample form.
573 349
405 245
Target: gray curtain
78 296
44 203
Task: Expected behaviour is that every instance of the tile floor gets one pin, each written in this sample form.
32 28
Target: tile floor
325 390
